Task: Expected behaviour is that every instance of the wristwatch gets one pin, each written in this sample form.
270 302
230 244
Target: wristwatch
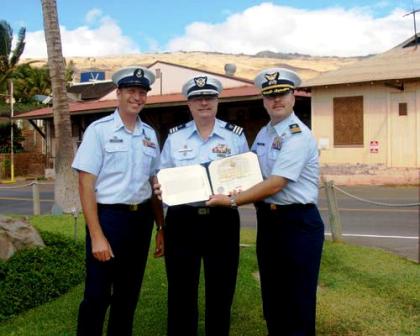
232 200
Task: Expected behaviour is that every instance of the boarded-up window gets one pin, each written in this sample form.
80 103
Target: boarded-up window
348 121
402 109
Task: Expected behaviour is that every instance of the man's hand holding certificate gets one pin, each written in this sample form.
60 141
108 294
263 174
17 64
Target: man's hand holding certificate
188 184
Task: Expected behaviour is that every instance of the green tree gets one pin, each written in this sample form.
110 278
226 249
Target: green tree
9 58
69 72
5 138
30 81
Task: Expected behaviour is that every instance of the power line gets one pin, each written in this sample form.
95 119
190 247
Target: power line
413 12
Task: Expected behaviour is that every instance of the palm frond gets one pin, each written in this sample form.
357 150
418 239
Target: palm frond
6 37
20 46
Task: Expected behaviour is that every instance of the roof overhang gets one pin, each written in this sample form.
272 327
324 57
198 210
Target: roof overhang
391 82
243 93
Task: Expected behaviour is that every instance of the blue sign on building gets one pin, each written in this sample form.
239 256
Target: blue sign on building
91 76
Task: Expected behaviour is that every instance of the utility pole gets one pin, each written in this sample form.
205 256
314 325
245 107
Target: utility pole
12 158
413 12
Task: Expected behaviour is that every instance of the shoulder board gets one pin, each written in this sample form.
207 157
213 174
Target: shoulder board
235 129
294 129
176 128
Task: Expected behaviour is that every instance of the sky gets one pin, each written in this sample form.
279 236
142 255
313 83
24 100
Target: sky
93 28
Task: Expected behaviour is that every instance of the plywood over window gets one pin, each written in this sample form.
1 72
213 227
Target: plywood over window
402 109
348 121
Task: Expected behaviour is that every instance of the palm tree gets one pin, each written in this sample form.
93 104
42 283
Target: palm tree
65 191
9 58
30 81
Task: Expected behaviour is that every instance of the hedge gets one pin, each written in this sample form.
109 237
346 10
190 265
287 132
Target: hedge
34 276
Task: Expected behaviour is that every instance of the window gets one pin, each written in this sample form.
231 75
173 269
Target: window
348 121
402 109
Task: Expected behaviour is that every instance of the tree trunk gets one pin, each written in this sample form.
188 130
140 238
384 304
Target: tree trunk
66 190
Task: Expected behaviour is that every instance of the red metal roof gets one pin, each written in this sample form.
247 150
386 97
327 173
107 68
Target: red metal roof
239 93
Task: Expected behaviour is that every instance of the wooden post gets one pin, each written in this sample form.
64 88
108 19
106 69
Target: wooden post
333 214
75 227
35 198
75 214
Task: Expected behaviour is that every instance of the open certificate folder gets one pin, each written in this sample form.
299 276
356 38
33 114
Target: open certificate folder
195 183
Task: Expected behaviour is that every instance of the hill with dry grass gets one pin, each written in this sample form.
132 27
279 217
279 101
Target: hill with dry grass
247 66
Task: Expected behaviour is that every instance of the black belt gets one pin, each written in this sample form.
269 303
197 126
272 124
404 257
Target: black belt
203 211
200 210
275 207
125 207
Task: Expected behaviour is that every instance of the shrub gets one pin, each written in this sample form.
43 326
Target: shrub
5 138
34 276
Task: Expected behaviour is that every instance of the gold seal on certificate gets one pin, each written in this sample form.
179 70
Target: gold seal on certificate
195 183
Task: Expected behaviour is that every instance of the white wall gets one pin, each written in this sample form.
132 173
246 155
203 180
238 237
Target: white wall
376 120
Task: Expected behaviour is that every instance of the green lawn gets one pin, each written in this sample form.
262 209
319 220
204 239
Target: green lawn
362 291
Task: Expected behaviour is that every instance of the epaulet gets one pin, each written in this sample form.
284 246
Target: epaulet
294 129
234 128
176 128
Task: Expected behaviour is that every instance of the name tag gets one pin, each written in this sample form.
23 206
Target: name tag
115 140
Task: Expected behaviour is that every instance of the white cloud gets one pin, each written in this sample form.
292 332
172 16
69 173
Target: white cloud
331 31
106 38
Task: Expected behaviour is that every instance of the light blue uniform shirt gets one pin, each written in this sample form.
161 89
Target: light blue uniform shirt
122 161
289 149
186 147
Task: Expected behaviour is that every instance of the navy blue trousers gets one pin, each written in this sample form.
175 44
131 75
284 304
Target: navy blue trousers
289 248
116 283
192 235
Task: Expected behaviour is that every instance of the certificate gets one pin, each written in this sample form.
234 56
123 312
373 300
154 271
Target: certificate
180 185
235 173
195 183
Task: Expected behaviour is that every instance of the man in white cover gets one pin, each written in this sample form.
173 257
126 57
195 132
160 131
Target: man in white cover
117 161
290 229
195 232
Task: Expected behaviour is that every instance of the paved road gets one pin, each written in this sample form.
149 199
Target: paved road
395 229
392 228
17 198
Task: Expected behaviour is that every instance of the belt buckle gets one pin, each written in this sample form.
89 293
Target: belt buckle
133 207
273 206
203 211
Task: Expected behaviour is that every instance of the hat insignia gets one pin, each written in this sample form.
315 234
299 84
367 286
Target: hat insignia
200 81
272 78
139 73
